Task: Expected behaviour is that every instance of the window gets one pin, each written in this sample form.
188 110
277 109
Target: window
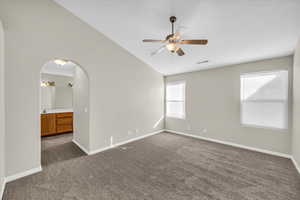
175 100
264 99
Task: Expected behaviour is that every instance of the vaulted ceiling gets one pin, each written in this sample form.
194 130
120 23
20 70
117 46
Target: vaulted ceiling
238 30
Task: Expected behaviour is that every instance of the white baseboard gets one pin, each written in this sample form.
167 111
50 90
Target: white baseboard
80 146
23 174
296 164
2 188
125 142
233 144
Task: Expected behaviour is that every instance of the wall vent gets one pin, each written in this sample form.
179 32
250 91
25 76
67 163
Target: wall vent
202 62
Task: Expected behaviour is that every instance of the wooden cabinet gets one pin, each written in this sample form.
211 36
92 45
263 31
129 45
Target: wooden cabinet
64 122
55 123
48 124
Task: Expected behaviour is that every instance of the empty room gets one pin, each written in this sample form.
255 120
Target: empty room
153 100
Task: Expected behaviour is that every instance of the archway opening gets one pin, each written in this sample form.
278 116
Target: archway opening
64 111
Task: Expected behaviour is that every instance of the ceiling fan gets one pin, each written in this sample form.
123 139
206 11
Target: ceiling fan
173 41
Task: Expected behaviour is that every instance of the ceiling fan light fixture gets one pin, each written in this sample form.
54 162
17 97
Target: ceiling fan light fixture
172 47
173 40
60 62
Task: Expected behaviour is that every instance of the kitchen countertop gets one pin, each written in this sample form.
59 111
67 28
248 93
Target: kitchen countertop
58 110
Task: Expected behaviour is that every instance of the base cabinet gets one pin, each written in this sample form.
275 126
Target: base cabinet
56 123
64 122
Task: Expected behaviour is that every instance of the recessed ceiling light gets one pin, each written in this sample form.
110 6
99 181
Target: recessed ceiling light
60 62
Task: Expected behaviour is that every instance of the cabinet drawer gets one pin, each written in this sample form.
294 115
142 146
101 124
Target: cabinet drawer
44 116
61 115
64 128
64 121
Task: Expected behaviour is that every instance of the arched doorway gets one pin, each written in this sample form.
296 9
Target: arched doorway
64 111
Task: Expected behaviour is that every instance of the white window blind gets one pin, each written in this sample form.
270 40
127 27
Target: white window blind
264 99
175 100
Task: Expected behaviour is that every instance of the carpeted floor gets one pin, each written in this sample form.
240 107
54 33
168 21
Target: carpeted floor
160 167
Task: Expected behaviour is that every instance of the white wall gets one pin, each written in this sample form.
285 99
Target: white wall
2 111
125 93
213 103
63 97
58 96
129 100
81 108
296 106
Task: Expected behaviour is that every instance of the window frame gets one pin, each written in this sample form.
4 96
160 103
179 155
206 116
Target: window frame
183 101
287 102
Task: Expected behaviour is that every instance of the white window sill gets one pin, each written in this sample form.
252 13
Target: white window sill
264 127
175 117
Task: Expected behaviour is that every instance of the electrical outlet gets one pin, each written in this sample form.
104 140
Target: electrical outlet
136 130
129 132
204 130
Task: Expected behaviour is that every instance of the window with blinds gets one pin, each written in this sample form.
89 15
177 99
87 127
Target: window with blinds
264 99
175 100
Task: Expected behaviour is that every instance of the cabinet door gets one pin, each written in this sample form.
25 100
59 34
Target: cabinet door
48 124
52 123
44 125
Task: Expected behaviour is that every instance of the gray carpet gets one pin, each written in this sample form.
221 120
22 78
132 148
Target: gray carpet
159 167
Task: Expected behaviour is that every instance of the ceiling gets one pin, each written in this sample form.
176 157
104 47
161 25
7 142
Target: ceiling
64 70
238 30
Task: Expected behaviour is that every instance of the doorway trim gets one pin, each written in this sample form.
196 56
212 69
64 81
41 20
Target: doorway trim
84 149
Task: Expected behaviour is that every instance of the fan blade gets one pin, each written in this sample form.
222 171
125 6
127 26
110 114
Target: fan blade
180 52
149 40
158 50
201 42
